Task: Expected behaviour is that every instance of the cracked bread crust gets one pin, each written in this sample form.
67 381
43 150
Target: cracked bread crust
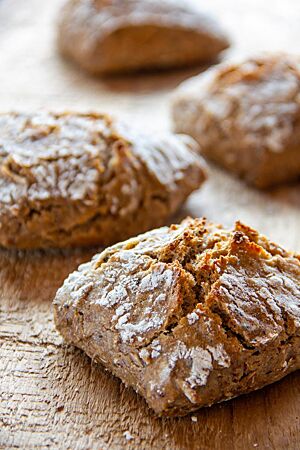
75 179
246 117
187 315
116 36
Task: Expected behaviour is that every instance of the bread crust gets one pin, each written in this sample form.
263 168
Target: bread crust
115 36
74 179
246 117
188 315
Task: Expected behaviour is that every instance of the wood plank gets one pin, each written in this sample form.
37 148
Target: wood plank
52 396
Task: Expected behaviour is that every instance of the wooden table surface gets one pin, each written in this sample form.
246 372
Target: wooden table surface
52 396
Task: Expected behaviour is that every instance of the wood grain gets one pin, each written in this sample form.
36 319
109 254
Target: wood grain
52 396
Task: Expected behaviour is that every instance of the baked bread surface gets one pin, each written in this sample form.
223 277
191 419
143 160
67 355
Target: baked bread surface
75 179
188 315
246 117
122 36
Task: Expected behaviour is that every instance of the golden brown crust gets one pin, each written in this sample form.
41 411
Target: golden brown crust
117 36
188 315
246 117
75 179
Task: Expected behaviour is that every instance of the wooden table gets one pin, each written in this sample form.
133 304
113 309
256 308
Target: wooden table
52 396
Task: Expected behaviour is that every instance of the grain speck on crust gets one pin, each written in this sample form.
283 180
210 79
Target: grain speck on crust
128 436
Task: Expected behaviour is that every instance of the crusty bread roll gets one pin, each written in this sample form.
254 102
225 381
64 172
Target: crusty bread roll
75 179
124 36
246 117
188 315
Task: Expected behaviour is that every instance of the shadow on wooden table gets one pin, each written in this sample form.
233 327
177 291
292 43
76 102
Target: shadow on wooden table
289 194
131 83
38 272
147 82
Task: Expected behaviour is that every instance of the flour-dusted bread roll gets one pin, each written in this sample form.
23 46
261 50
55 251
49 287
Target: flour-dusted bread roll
79 179
246 117
188 315
122 36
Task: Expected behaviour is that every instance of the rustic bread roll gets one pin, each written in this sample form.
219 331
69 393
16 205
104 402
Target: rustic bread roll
123 36
80 179
246 117
188 315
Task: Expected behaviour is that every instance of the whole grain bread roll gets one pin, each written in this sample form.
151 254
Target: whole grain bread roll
187 315
123 36
74 179
246 117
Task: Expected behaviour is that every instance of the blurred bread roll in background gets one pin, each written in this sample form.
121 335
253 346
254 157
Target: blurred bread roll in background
246 117
111 36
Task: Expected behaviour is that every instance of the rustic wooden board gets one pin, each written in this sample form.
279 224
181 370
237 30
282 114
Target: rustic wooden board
52 396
